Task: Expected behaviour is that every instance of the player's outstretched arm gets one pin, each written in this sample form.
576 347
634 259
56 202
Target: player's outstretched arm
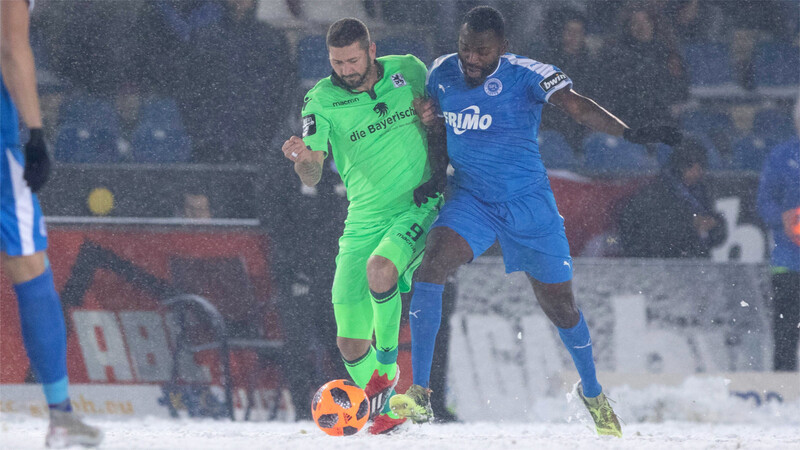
587 112
19 77
307 162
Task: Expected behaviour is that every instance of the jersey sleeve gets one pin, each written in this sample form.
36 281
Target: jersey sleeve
544 80
431 85
316 128
417 73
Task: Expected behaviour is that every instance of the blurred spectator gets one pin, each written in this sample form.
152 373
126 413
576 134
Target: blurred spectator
603 15
91 43
767 16
411 12
303 271
280 12
196 206
642 81
250 79
288 13
229 72
779 207
566 33
180 67
170 61
330 10
750 22
674 216
127 103
689 21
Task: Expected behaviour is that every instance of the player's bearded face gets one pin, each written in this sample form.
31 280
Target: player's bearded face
356 79
352 64
479 54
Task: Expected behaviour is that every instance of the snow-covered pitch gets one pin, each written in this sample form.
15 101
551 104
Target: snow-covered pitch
205 434
697 415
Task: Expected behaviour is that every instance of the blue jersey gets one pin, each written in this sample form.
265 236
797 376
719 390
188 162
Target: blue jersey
9 121
492 129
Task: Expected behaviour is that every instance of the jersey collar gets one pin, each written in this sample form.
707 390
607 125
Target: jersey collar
337 81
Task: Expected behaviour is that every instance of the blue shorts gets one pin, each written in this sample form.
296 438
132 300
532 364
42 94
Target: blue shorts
22 229
529 228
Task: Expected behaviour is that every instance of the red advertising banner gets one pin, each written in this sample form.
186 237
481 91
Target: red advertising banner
589 206
113 281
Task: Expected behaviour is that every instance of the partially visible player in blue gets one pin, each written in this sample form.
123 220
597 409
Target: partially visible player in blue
23 238
489 104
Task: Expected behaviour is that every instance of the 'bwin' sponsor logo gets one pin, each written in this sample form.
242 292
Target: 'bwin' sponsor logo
552 81
469 118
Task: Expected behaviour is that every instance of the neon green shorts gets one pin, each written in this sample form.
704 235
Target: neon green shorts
400 239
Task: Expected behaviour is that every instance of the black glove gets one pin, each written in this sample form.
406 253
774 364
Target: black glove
654 133
37 161
430 189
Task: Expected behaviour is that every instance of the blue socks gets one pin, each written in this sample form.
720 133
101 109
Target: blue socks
579 345
65 406
44 334
425 316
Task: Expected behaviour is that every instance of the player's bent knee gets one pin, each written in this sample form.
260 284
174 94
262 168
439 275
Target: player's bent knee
352 349
381 274
446 251
436 267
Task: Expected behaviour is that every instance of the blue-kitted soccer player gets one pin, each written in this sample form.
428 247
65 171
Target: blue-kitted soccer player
23 239
489 104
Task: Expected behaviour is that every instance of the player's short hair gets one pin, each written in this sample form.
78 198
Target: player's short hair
486 18
345 31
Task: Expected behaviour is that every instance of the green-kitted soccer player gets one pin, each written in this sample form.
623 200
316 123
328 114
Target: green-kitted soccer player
364 113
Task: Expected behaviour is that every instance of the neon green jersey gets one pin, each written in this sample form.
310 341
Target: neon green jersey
379 144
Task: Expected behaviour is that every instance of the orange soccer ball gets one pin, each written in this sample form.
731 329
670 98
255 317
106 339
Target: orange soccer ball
340 408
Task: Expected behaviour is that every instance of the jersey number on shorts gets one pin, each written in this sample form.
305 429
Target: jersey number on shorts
415 232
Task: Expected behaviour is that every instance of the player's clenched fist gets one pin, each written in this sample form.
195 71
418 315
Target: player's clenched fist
296 150
425 112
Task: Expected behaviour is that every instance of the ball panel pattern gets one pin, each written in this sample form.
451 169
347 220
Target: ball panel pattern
340 408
